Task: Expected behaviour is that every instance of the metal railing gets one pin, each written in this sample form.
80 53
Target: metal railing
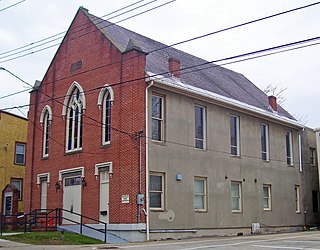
47 219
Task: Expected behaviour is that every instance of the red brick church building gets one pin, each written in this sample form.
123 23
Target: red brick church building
120 133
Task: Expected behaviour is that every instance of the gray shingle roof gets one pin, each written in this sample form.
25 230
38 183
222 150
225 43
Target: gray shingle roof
216 79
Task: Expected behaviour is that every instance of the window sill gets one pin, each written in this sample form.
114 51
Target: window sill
200 211
236 212
105 145
235 156
267 210
71 152
156 209
162 143
45 158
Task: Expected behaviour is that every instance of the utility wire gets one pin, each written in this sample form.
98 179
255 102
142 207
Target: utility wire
63 32
191 39
74 30
199 67
12 5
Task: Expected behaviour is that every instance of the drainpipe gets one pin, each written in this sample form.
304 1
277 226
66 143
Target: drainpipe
140 175
147 162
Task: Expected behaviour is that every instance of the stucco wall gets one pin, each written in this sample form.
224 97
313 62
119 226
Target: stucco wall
177 155
12 129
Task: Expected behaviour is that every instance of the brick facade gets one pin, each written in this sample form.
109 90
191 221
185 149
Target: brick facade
89 58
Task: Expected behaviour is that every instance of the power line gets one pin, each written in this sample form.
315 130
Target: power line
199 67
63 32
12 5
188 40
76 31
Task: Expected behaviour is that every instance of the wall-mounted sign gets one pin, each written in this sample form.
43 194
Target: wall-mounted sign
125 198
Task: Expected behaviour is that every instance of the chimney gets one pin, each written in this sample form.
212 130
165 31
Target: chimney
174 67
273 103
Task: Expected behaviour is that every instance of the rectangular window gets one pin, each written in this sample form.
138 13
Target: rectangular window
266 197
200 194
18 184
20 155
315 201
200 127
235 135
156 191
289 148
157 118
313 156
297 198
264 142
236 205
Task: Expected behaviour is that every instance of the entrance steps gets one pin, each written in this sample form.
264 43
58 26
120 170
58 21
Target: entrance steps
99 235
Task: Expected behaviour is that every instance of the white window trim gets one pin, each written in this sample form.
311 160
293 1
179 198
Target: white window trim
239 183
24 154
159 119
102 165
204 179
43 175
268 186
291 148
266 126
68 95
163 191
204 110
65 113
70 170
46 111
238 135
297 198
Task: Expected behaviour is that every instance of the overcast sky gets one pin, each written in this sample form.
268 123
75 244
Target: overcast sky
296 71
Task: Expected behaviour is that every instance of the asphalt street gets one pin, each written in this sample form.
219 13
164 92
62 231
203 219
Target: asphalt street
309 240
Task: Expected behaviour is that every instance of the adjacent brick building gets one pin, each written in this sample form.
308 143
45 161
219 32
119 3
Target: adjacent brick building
148 138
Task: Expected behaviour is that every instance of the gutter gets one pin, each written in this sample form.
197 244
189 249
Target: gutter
147 162
177 84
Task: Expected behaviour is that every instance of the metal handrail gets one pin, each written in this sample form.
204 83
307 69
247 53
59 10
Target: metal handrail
36 214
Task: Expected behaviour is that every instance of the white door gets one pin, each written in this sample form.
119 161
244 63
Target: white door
104 197
43 201
71 199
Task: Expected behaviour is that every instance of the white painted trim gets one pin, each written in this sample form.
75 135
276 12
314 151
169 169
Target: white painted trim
43 175
102 165
106 88
68 95
47 107
70 170
177 84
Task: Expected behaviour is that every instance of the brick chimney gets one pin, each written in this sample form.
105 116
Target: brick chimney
174 67
273 102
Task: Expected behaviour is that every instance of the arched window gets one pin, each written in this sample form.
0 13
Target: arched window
74 106
45 120
105 100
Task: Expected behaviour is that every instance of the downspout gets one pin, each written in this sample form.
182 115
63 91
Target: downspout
33 147
147 163
300 152
317 130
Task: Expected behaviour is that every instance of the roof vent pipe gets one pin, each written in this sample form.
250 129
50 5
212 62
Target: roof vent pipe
273 103
174 67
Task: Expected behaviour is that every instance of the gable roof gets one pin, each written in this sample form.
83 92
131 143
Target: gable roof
215 79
